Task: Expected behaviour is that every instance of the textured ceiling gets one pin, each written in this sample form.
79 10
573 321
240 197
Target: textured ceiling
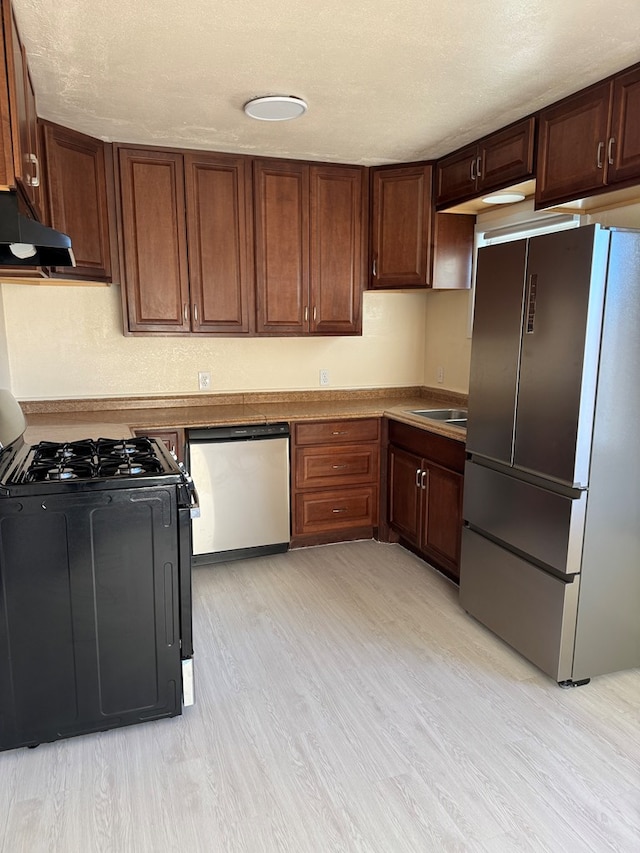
386 80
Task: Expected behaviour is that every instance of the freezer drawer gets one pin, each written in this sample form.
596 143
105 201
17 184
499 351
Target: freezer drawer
543 524
533 611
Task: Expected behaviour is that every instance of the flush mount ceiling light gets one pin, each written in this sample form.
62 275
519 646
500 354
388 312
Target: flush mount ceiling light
504 198
275 108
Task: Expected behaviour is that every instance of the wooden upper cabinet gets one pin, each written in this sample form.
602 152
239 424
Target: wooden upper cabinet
572 143
400 226
495 161
19 108
220 238
79 200
337 252
623 146
154 240
281 198
309 237
590 141
453 243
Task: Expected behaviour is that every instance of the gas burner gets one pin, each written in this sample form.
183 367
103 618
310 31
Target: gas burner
133 466
49 451
125 447
61 473
43 470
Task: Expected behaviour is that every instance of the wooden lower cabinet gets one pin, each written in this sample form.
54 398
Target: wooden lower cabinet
424 501
334 480
173 439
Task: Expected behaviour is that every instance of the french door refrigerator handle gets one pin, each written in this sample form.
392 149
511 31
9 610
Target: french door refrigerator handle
531 302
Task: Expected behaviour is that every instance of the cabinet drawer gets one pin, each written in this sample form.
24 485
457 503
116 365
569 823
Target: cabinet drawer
337 432
316 512
336 466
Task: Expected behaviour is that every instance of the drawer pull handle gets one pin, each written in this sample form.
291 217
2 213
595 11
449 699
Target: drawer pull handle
340 509
338 466
418 472
339 432
422 477
599 155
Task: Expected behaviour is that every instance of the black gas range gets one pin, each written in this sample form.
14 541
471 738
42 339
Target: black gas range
95 587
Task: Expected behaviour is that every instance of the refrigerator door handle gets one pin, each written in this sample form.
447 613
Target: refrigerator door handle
531 302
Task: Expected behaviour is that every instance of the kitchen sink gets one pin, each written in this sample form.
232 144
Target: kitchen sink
454 417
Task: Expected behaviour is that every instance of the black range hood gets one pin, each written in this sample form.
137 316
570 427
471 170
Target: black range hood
25 242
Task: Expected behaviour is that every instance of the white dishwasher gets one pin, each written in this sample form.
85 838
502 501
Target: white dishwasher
241 474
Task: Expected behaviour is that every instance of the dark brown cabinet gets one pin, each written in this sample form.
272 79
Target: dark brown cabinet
173 439
425 486
334 480
220 241
453 242
20 140
400 226
169 200
494 162
79 173
309 233
590 141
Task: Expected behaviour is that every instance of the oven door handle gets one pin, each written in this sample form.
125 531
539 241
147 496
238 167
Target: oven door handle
194 505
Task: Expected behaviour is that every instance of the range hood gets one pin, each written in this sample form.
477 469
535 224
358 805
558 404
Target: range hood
25 242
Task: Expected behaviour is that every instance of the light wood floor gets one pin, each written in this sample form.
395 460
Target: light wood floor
345 702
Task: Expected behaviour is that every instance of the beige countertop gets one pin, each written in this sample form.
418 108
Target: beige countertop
60 421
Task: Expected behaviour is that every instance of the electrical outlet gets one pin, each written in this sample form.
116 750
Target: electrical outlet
440 375
324 376
204 380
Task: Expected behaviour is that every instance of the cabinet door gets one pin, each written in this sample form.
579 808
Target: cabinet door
453 240
405 494
456 176
281 194
77 199
337 251
154 240
571 146
506 156
442 522
623 147
36 177
24 159
220 243
401 227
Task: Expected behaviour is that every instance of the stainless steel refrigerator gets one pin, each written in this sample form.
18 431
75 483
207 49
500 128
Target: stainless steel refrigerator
551 538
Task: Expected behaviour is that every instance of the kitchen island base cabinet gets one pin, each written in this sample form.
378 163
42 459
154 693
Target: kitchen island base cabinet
425 485
335 476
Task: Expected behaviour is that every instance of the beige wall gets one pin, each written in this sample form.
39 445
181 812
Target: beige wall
447 341
67 342
5 378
